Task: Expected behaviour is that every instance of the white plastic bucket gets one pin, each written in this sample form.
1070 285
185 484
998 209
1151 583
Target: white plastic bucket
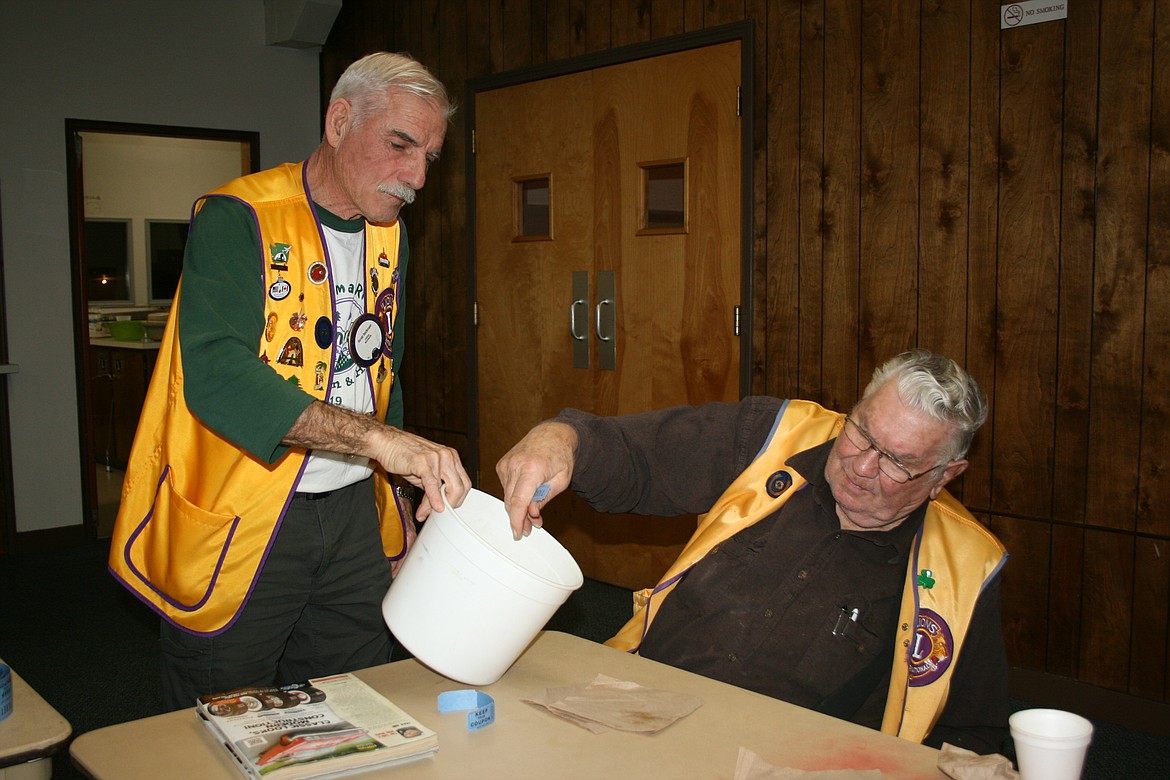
469 598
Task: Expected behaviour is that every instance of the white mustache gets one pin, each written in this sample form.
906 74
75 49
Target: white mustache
401 191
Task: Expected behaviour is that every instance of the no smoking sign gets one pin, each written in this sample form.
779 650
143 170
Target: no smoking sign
1033 12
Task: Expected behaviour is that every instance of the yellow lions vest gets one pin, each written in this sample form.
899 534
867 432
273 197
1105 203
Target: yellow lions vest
953 557
198 514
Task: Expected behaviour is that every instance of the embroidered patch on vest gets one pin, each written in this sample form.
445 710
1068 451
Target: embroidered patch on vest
778 483
279 254
384 308
931 648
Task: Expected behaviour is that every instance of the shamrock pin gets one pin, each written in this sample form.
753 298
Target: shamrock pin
926 579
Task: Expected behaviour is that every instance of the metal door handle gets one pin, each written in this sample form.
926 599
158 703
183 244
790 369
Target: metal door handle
579 295
602 302
607 304
573 319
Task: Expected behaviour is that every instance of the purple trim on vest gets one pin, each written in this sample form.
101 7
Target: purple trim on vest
1003 559
401 522
772 433
255 219
914 619
332 283
267 549
657 589
138 531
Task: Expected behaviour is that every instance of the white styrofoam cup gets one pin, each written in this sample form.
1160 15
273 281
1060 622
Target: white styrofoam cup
1050 744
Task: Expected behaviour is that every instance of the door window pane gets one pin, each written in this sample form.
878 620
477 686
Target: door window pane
534 208
664 197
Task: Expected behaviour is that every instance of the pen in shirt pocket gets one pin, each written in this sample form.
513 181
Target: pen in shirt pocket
847 621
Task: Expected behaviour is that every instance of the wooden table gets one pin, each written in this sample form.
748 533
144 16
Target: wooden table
527 741
30 735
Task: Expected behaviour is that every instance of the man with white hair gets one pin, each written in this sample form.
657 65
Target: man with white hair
258 516
831 569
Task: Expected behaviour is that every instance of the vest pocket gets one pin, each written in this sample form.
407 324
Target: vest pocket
179 548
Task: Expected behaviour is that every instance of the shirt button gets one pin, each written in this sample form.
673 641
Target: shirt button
768 613
732 657
802 575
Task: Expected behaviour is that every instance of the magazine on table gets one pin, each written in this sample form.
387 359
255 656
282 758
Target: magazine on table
318 728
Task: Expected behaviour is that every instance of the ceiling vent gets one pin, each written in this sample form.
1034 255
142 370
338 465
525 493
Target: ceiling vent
299 24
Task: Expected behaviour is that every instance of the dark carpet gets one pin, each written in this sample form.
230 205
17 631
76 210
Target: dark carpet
89 648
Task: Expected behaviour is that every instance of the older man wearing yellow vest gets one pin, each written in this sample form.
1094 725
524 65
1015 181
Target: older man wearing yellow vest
830 569
258 517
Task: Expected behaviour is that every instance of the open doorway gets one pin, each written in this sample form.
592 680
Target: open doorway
130 187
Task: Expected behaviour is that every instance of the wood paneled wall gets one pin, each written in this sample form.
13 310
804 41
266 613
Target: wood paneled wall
921 178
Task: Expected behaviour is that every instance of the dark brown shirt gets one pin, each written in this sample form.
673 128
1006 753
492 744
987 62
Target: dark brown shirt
772 609
793 606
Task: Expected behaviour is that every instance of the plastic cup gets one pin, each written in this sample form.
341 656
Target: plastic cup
1050 744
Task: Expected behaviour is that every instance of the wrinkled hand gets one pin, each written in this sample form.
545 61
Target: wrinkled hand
423 463
544 456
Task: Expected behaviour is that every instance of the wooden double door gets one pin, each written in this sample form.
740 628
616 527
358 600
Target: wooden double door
608 266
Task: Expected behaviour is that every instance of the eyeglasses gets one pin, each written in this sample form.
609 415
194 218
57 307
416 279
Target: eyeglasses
887 463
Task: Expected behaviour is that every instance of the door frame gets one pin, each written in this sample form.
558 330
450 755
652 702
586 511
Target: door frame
742 32
75 188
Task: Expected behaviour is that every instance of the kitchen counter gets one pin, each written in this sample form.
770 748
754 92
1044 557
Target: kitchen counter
106 341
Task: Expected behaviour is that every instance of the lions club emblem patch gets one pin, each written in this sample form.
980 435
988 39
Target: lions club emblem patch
931 649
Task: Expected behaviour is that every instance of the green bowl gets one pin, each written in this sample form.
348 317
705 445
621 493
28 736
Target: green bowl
127 330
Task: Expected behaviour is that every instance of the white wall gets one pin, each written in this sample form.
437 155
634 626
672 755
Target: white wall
165 62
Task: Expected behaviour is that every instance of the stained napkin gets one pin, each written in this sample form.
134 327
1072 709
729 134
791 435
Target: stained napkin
962 764
749 766
605 703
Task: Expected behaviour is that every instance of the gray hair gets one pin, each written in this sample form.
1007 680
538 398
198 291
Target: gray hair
938 387
365 84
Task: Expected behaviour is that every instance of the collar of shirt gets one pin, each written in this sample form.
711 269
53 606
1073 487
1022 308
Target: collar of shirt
810 464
